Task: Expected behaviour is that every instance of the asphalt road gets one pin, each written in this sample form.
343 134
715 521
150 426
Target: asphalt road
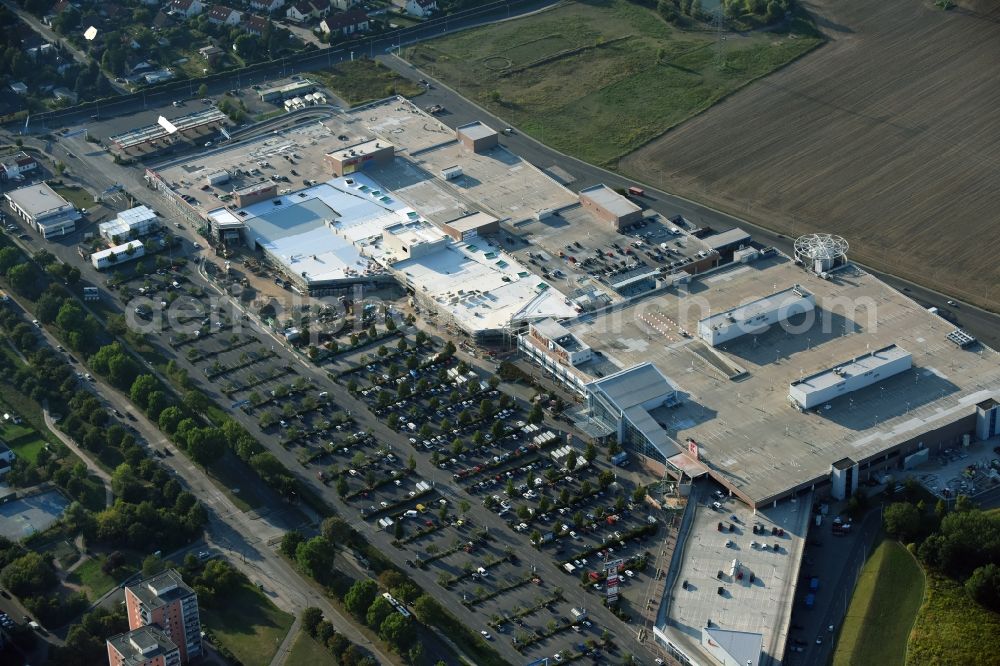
838 569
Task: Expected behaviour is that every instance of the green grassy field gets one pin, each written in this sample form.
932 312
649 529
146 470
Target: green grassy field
249 625
882 610
77 196
363 81
90 576
599 79
306 650
23 441
953 629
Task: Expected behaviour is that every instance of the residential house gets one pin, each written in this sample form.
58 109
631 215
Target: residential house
266 5
186 8
344 5
418 8
222 15
18 165
346 23
211 53
162 21
308 10
19 88
254 25
57 9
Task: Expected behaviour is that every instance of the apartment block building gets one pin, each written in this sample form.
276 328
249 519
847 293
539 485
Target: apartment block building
145 646
167 602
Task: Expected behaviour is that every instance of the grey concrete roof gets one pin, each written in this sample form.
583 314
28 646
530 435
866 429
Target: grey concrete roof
161 589
476 130
38 199
607 198
140 645
634 386
743 646
725 238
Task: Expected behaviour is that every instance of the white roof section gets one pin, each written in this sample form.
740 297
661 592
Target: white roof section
725 238
471 221
137 215
860 365
166 124
481 286
476 130
743 647
610 200
318 233
117 249
779 301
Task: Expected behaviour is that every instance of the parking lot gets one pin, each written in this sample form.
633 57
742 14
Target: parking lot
739 571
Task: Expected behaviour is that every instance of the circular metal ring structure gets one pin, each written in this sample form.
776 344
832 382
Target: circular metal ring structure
828 248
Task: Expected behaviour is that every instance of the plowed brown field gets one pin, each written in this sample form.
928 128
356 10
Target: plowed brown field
888 135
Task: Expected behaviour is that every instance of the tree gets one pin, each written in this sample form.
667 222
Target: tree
315 557
571 460
378 612
168 420
902 521
23 278
290 543
360 597
311 616
141 388
397 631
28 575
984 586
590 453
206 445
152 565
536 414
203 92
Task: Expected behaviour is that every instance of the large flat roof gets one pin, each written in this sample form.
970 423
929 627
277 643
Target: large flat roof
481 287
316 233
747 430
609 199
779 300
38 200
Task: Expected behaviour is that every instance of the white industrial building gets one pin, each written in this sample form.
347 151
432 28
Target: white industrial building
862 371
756 316
118 254
44 209
138 221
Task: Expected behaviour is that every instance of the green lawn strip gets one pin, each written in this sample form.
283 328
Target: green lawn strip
363 81
90 576
951 628
883 607
306 650
76 195
600 80
249 625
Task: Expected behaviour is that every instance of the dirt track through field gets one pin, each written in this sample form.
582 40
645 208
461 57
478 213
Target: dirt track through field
888 135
